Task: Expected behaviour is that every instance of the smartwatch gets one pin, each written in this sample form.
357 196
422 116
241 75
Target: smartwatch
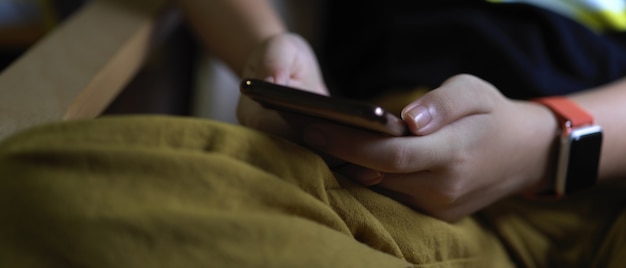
579 147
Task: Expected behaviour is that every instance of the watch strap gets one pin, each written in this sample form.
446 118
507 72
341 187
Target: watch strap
569 114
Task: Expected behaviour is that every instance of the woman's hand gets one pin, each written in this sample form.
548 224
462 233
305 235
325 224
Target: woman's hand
472 147
285 59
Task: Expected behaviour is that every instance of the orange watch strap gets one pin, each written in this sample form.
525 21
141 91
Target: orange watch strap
569 114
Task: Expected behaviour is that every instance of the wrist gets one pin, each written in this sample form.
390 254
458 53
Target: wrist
543 145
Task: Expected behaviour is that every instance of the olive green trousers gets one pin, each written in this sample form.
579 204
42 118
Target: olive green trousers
159 191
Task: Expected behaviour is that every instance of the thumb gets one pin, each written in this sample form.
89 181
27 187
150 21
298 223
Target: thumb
457 97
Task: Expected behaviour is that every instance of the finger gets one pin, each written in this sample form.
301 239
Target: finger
252 114
457 97
278 62
362 175
424 185
271 62
423 192
377 151
434 195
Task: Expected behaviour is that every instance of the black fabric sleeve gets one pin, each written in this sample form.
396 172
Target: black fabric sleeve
523 50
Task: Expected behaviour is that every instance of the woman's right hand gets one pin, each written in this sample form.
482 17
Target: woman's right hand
471 147
285 59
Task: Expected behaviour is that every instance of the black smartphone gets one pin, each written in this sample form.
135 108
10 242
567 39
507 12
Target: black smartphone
347 112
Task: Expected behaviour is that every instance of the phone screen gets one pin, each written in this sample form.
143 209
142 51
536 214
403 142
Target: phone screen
348 112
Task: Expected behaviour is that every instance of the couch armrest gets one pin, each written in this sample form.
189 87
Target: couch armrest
75 71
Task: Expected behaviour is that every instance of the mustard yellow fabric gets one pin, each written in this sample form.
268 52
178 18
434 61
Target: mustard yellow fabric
159 191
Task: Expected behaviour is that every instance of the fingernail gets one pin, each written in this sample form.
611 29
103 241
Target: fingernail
419 115
315 137
372 178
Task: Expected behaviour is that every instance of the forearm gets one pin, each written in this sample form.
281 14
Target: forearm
608 106
232 28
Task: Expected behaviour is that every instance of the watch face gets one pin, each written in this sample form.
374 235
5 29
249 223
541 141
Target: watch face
584 158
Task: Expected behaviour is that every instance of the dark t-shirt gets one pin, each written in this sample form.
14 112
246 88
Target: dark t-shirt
525 51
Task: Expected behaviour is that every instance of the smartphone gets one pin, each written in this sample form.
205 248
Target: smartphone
353 113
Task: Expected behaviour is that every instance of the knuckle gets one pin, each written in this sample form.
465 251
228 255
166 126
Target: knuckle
453 184
444 106
400 159
450 195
